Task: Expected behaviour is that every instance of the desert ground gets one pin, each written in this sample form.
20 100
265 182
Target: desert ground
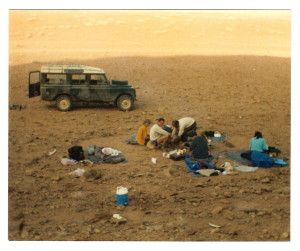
234 94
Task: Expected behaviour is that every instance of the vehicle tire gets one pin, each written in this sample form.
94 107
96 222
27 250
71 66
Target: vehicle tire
63 103
125 103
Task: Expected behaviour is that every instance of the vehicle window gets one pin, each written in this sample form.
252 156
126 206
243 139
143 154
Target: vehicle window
78 79
98 79
34 78
56 78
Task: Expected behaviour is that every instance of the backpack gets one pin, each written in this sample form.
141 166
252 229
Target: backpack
76 153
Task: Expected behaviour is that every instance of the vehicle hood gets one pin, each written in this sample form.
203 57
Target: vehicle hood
119 82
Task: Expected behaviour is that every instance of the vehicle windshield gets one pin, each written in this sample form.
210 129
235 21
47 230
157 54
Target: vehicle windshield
54 78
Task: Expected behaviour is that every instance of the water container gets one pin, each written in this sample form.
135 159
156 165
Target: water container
122 196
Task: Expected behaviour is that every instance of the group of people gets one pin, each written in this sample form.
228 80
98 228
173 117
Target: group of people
160 133
183 130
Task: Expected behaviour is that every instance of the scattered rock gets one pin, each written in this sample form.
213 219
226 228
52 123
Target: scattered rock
170 226
200 184
217 210
97 230
232 232
224 201
215 230
56 178
229 215
214 194
15 227
147 223
19 216
90 175
33 161
265 180
190 232
102 217
261 213
227 194
78 195
117 219
246 207
268 211
258 191
17 107
29 172
266 189
24 234
285 190
80 209
169 172
120 207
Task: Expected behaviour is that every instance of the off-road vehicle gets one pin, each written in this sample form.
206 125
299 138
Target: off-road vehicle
70 84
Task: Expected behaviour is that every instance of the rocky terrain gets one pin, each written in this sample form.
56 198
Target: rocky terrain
236 95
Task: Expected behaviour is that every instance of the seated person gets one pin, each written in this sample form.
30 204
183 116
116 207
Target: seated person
184 128
157 134
142 136
199 146
258 143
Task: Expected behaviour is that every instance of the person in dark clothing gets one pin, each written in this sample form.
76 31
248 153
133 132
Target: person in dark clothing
199 146
184 128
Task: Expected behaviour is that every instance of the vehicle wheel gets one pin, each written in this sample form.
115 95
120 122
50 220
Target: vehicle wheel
125 103
64 103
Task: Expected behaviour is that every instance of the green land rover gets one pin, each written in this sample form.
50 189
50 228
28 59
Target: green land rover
70 84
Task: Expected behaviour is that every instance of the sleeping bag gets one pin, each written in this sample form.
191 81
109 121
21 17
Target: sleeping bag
261 160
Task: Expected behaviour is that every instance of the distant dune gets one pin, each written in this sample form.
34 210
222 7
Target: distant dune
58 34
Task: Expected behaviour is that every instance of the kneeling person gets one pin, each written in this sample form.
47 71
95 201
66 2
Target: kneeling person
184 127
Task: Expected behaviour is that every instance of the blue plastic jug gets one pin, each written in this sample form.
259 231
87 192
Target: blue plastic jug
122 196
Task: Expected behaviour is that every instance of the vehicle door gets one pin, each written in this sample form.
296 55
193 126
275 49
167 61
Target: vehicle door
99 88
34 84
53 84
79 87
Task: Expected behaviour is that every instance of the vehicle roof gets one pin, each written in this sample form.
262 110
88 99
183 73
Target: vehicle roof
69 68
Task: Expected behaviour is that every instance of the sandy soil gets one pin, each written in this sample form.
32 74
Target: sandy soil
233 94
237 95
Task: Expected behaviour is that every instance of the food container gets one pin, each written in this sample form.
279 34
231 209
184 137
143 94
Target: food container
122 195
